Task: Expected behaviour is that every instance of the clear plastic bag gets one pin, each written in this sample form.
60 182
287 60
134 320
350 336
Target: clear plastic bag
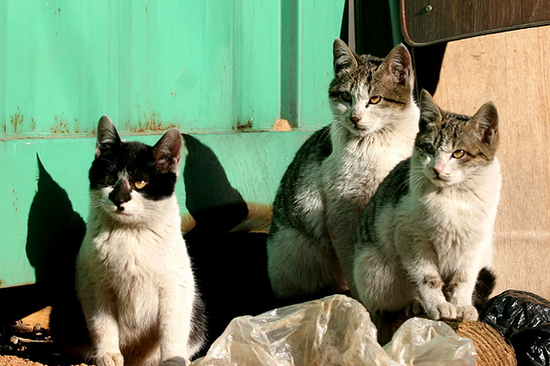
423 342
335 330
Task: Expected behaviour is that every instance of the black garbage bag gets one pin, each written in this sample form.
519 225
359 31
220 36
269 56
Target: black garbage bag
524 319
513 311
532 345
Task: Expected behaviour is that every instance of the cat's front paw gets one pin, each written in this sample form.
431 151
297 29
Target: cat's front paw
467 312
442 310
110 359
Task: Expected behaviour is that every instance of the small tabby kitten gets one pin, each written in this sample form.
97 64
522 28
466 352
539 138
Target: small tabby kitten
333 175
426 235
133 275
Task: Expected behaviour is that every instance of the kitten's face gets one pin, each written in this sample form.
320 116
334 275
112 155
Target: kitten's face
367 92
130 180
451 147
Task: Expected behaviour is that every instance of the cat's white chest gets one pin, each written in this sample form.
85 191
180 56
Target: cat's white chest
359 167
132 266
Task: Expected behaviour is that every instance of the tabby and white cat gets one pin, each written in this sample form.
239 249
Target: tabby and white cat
333 175
427 232
133 274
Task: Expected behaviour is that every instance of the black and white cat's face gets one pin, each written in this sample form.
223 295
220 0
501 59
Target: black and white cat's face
367 92
452 147
129 181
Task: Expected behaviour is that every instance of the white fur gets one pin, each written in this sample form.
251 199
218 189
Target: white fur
441 228
340 189
355 169
135 283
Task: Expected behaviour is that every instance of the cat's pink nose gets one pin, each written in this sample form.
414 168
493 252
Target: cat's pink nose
438 170
355 119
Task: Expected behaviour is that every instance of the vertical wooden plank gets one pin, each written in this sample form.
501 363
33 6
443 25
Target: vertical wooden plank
511 69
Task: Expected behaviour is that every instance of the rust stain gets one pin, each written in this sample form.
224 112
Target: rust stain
245 126
15 200
151 123
17 120
33 124
61 126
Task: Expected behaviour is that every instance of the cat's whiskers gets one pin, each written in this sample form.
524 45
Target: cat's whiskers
324 138
319 189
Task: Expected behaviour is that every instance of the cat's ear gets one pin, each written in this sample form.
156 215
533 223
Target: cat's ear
486 123
107 136
398 65
429 111
344 58
167 151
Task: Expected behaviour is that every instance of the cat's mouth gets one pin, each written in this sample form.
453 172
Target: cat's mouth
443 181
119 211
438 180
360 129
360 126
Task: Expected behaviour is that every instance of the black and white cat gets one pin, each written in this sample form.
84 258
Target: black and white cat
336 171
426 235
133 275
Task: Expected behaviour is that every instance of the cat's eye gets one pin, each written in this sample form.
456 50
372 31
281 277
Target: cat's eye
458 154
140 184
109 179
346 97
430 149
375 100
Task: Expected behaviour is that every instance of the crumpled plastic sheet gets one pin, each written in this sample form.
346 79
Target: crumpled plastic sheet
335 330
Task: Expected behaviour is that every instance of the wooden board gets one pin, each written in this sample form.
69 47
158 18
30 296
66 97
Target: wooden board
511 69
427 22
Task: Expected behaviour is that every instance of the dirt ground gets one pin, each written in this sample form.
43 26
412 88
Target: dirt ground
28 343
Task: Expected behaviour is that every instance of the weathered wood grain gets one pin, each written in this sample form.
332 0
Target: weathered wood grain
513 70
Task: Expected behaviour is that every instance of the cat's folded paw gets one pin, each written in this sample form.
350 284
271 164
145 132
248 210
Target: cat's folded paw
110 359
442 310
415 308
467 312
174 361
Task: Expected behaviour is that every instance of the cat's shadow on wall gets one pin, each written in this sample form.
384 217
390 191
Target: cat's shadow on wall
230 267
54 235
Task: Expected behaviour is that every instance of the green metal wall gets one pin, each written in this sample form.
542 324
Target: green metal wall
223 71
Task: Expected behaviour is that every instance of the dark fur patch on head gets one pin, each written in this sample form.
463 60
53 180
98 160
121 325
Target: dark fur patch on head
477 135
122 164
391 78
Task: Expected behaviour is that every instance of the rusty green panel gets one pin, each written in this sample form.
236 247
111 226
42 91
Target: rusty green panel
58 66
34 204
223 71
